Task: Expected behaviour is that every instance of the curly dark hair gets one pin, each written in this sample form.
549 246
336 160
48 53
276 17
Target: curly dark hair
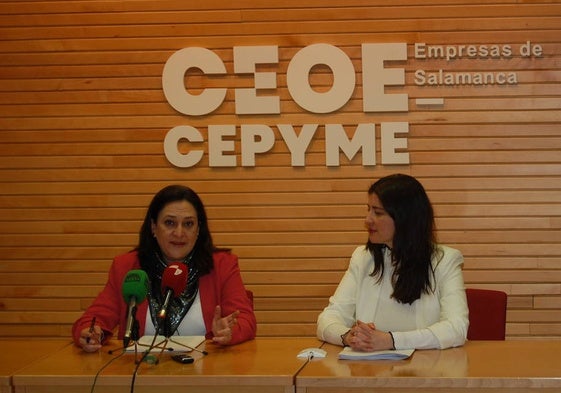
148 245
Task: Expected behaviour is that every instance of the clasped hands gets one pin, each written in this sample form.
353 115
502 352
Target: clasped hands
366 338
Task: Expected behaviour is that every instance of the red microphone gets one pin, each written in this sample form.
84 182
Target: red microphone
174 281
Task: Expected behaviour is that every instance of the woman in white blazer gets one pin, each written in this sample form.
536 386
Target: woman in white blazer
402 290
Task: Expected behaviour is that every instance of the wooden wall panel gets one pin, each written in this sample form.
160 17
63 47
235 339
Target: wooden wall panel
83 117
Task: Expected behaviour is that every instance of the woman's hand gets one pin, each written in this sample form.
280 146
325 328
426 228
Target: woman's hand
222 327
366 338
91 341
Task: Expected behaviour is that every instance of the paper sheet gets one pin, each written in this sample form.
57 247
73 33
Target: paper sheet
348 354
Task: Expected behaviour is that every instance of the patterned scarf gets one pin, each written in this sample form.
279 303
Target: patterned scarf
178 306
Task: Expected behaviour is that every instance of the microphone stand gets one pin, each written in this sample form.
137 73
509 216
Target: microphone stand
163 344
162 315
133 339
185 346
135 336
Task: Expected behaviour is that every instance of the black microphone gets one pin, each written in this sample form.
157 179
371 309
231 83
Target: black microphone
135 289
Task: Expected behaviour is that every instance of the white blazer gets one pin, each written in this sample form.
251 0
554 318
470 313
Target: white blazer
439 319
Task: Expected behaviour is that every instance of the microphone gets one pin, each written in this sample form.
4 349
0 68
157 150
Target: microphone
174 281
135 289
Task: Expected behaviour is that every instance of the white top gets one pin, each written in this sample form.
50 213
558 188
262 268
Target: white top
436 320
191 325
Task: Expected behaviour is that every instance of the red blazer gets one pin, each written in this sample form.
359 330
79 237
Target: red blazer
222 286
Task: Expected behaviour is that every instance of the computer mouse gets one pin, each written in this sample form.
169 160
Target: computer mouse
312 353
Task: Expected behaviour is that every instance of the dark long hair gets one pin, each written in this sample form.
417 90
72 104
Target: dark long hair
148 245
414 242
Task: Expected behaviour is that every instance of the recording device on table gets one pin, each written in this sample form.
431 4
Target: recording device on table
183 358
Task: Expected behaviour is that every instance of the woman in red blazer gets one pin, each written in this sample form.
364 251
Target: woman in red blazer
214 303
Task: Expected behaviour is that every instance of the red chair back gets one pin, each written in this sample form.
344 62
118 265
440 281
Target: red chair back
249 294
487 314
